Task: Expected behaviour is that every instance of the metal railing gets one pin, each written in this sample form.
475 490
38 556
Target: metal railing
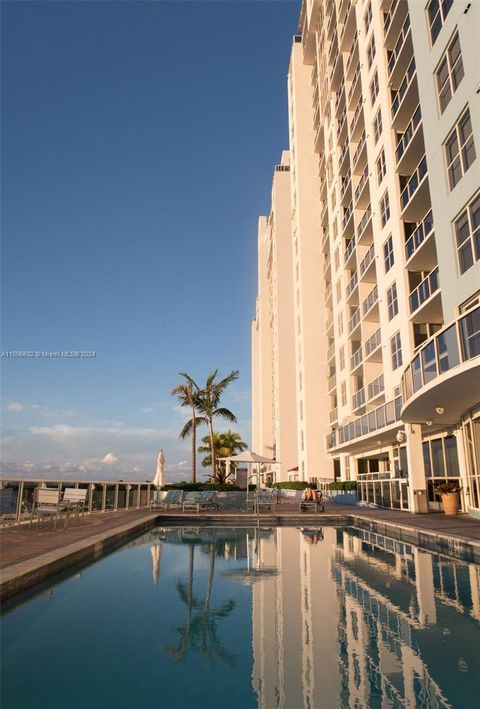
356 358
373 342
424 290
413 183
398 45
367 260
389 16
358 399
354 321
376 387
370 300
362 225
416 239
351 56
348 211
384 415
361 184
349 249
332 382
406 81
358 149
352 284
408 134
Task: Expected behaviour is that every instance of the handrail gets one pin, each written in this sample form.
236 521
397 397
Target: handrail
406 81
370 300
402 36
359 148
389 16
408 134
358 399
351 55
352 284
424 290
356 358
349 249
364 221
373 342
347 214
367 260
413 183
384 415
376 387
424 229
361 184
354 321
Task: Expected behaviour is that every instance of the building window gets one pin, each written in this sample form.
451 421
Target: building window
377 125
467 235
392 301
374 88
388 258
339 290
344 393
340 324
342 358
396 349
381 166
459 149
337 259
449 73
371 50
367 18
437 10
384 209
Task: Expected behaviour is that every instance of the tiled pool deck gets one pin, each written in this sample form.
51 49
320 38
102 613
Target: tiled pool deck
29 556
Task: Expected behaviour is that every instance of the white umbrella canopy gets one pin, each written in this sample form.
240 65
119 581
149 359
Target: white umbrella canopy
158 480
249 457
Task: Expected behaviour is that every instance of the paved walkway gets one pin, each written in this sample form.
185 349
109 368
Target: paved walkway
21 543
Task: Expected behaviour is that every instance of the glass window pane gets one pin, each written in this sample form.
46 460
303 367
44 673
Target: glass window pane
462 228
448 354
437 458
429 362
426 459
416 373
451 456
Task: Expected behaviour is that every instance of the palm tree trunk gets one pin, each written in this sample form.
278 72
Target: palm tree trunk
194 447
214 452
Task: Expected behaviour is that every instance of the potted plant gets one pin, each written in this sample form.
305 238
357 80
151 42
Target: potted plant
448 491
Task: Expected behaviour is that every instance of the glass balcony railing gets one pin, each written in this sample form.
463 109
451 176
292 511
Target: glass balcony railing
407 80
363 222
362 182
415 240
332 382
413 183
347 214
370 300
333 415
329 322
353 86
331 352
356 116
367 260
453 345
352 284
356 359
349 249
398 46
358 399
341 122
389 16
408 134
343 152
354 321
375 388
346 181
373 342
382 416
359 149
351 57
424 290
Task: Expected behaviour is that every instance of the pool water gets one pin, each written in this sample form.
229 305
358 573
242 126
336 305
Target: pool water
261 617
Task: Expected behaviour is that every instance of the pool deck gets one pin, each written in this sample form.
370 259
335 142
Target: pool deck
29 556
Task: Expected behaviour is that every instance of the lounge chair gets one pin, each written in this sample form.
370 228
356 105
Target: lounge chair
204 501
315 505
47 503
74 499
173 498
265 500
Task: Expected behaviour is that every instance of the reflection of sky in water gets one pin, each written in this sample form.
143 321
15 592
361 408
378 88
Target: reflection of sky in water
246 618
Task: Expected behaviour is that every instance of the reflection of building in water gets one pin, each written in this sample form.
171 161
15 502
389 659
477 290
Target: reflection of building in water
402 613
362 620
156 552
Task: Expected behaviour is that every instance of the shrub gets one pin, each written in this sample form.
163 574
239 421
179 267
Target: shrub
447 487
292 485
199 487
344 485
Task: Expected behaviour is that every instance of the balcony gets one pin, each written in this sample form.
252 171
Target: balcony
324 215
370 305
415 196
375 388
319 138
361 196
360 155
329 323
326 268
332 382
441 381
367 266
358 124
328 293
356 360
346 188
425 301
349 251
337 72
364 229
352 61
340 98
348 30
385 415
352 293
347 221
410 146
401 54
420 251
405 99
354 321
393 21
342 162
372 347
333 416
341 126
331 352
358 399
355 87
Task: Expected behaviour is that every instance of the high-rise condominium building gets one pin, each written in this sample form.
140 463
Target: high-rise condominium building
384 249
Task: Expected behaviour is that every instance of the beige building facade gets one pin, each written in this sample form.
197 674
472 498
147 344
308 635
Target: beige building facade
384 229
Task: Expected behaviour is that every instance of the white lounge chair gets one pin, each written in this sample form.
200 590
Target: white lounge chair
74 499
173 498
205 500
47 503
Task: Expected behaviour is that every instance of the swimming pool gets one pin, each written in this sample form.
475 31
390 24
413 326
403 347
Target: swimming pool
261 617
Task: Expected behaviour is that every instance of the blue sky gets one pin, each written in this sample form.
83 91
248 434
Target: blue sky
138 143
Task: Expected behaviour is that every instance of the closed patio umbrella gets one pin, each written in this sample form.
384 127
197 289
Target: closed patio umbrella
158 480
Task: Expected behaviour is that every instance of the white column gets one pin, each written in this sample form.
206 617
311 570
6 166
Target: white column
417 488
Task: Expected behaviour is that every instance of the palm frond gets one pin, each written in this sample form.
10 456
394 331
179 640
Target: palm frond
225 414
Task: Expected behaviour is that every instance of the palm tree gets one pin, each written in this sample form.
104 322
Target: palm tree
209 406
225 444
188 394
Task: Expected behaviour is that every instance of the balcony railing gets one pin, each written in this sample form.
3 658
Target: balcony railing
347 214
333 415
399 45
349 249
363 222
346 181
356 115
329 322
373 342
332 382
453 345
413 183
408 134
356 359
353 86
382 416
350 58
354 321
388 17
407 80
358 399
415 240
341 122
352 284
367 260
370 300
424 290
376 387
361 184
331 352
343 152
358 149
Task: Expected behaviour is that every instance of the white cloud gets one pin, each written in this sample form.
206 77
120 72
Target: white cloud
110 459
147 410
181 464
15 406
